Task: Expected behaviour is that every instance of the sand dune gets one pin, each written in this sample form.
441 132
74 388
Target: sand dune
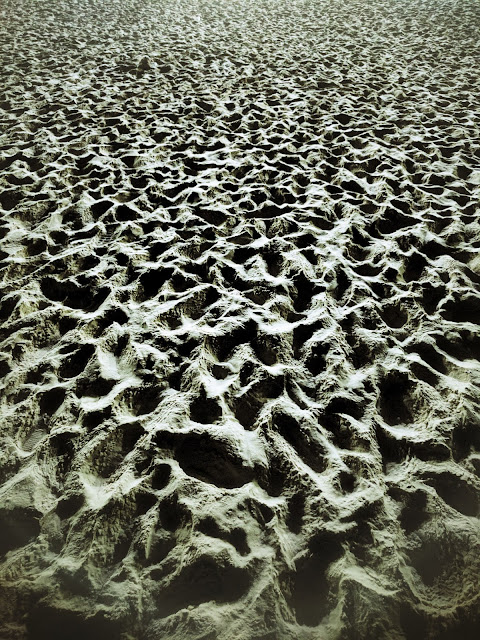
239 280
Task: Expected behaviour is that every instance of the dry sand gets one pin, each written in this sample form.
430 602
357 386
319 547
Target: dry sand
239 320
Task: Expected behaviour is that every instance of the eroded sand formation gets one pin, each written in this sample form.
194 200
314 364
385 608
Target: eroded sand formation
239 320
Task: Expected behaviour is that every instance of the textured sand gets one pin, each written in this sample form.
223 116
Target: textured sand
239 320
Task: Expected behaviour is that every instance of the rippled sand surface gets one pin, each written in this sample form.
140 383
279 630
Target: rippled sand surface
239 320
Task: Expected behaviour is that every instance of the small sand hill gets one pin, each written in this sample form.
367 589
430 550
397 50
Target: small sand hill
239 320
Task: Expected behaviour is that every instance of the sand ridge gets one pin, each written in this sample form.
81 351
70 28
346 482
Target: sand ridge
239 281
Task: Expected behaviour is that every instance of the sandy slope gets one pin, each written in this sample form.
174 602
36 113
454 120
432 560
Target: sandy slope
239 320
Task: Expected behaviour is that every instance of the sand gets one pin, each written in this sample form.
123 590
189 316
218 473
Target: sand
239 280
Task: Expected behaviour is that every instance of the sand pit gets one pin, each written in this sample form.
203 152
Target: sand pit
239 320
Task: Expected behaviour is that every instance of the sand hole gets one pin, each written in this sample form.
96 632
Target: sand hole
213 461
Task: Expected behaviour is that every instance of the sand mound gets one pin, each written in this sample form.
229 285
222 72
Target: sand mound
239 280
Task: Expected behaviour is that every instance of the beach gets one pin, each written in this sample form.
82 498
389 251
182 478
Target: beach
239 320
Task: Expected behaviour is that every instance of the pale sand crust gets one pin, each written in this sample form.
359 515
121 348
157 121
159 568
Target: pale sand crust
239 279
